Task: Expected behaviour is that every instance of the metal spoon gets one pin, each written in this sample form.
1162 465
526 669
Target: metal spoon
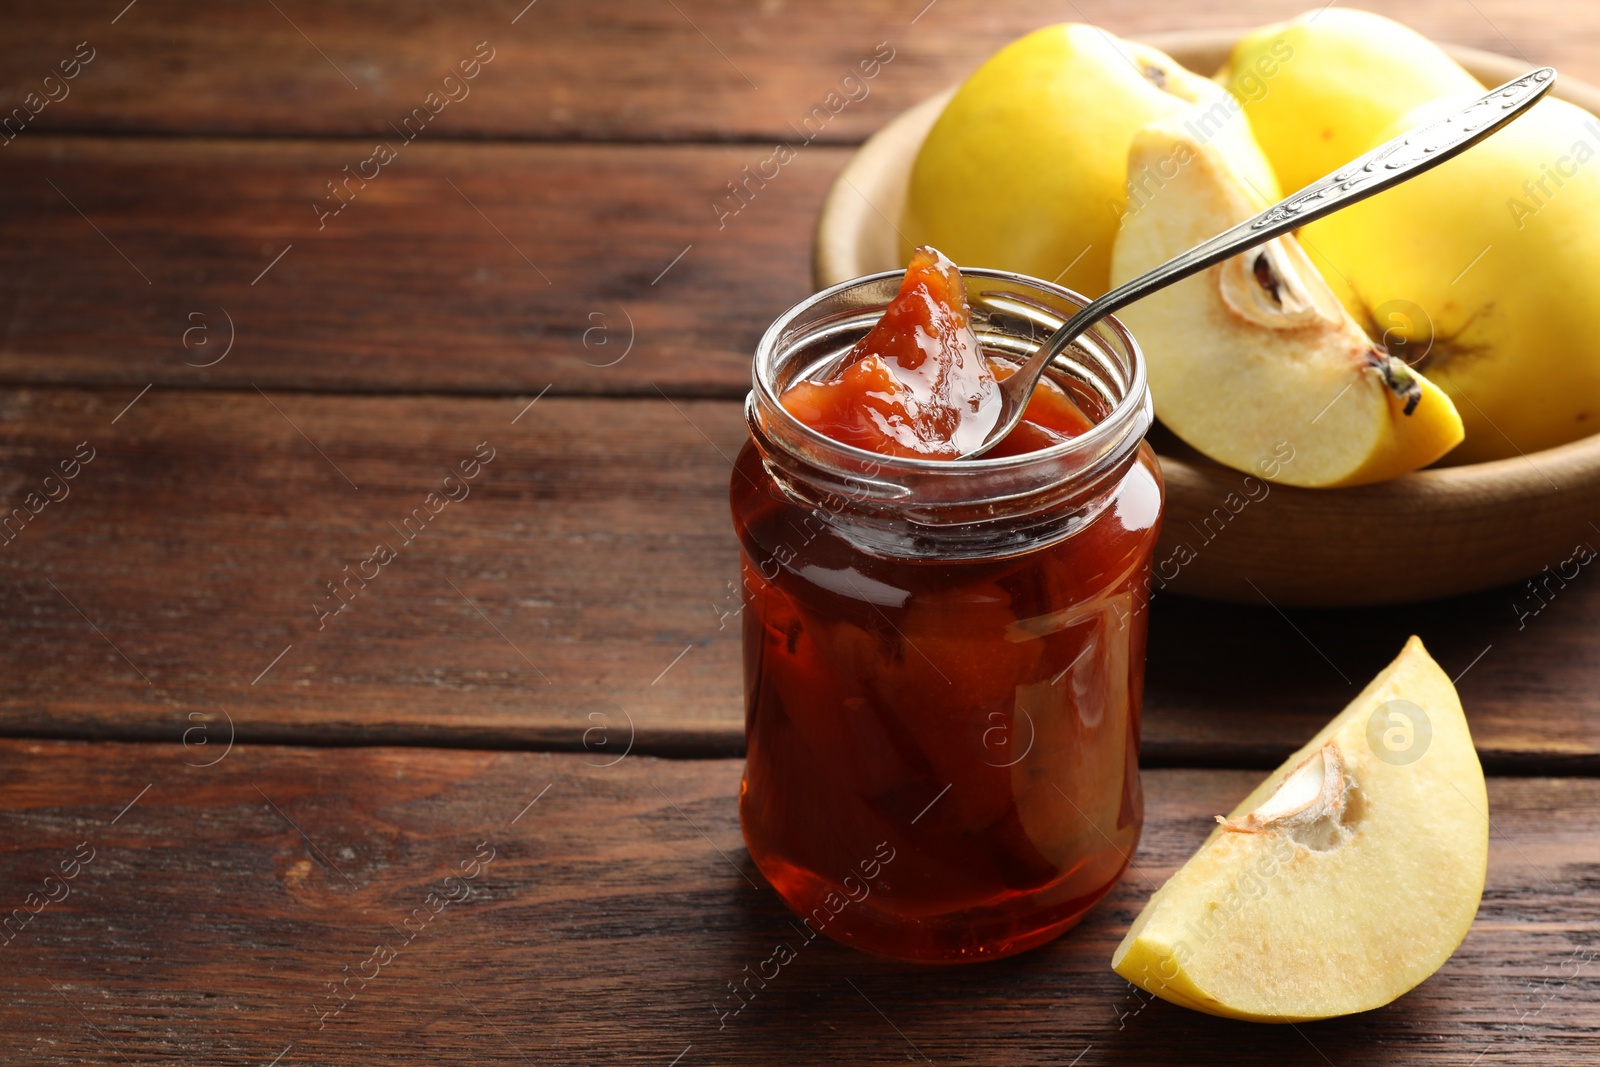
1400 160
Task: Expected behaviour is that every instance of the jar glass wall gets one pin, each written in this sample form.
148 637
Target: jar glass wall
944 661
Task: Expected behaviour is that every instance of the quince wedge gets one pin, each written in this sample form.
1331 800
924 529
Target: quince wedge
1254 361
1344 880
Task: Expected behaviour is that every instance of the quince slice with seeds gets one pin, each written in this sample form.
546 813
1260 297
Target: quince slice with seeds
1255 359
1348 877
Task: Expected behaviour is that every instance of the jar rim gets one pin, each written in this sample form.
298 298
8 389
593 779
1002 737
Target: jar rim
1120 421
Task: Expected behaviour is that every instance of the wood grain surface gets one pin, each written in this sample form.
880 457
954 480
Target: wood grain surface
217 398
458 268
220 902
608 69
586 573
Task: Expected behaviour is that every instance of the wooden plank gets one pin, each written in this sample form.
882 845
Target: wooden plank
220 902
604 69
461 268
587 558
1265 681
598 558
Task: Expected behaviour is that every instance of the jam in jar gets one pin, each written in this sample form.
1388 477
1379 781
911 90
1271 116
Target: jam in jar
943 659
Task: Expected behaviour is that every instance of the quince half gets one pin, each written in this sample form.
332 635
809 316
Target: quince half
1348 877
1254 361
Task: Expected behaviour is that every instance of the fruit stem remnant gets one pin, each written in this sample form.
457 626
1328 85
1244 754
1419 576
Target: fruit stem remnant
1397 375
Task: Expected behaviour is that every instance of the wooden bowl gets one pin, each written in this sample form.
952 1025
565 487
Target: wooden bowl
1433 533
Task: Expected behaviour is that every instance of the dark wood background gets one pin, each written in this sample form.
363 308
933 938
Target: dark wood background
552 240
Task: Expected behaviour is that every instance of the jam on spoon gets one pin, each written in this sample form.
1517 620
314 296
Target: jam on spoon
919 385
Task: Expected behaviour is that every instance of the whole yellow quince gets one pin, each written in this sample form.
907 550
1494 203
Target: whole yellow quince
1323 88
1026 168
1485 275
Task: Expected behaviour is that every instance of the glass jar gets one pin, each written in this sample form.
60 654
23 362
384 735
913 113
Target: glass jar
943 660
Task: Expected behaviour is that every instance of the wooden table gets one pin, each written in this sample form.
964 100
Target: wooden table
258 368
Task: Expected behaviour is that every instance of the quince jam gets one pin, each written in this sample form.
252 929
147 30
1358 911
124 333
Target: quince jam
918 385
942 747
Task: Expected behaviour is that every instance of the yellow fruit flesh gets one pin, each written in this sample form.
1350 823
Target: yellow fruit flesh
1259 926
